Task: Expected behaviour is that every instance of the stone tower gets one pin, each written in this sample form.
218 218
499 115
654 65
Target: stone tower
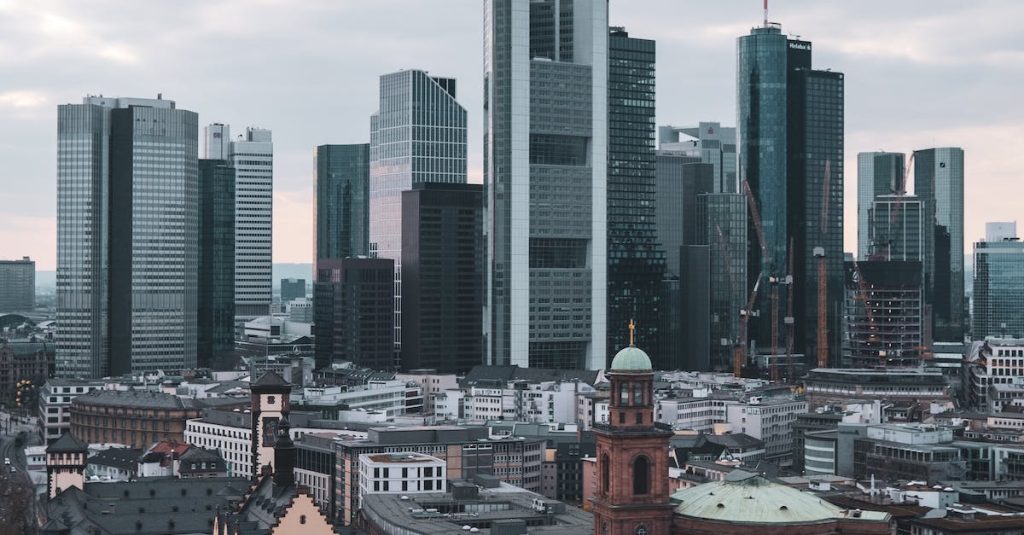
270 403
632 454
65 464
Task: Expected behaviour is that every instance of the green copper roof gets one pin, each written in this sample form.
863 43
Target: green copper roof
631 359
744 497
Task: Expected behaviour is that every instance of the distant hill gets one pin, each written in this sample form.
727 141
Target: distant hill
47 280
292 271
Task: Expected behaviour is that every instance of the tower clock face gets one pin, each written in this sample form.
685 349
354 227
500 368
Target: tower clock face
640 530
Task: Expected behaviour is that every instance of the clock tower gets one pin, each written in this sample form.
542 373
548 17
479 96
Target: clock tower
632 453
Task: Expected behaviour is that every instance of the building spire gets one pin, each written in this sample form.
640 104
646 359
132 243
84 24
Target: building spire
632 331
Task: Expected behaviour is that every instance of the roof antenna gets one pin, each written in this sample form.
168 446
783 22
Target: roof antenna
765 13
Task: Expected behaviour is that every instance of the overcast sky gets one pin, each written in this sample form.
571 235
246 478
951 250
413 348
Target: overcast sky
919 73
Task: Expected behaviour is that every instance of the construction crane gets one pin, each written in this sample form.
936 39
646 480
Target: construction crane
741 353
819 254
862 296
788 319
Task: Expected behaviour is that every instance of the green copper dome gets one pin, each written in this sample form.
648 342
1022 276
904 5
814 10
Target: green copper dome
631 359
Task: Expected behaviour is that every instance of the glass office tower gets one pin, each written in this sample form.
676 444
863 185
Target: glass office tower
545 169
939 183
636 263
896 228
252 156
998 289
722 225
342 200
127 237
216 264
790 124
815 214
878 173
418 135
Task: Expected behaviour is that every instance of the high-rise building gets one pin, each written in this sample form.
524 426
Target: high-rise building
545 169
17 285
292 289
896 229
722 225
712 143
442 277
353 316
998 288
884 314
252 157
127 228
789 137
417 135
636 263
878 173
342 200
216 308
939 183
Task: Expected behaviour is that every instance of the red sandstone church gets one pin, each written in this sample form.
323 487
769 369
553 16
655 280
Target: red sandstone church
632 495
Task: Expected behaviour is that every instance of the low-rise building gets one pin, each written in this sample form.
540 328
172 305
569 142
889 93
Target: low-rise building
837 386
388 397
467 452
55 405
113 464
28 360
404 473
994 361
770 421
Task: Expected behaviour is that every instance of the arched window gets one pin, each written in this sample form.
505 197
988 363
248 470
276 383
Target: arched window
624 394
641 475
605 472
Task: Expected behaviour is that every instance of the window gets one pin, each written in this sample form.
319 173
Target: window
270 400
302 519
640 530
605 472
641 476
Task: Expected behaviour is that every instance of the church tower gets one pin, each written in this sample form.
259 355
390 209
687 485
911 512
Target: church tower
65 464
632 453
270 403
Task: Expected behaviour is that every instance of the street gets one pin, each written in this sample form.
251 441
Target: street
16 489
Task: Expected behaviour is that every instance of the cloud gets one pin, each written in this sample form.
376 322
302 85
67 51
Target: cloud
22 99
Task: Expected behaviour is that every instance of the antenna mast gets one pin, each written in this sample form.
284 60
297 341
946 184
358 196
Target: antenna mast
766 13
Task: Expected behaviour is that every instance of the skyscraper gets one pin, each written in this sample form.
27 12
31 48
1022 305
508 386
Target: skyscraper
636 263
216 308
939 183
998 286
418 135
712 143
878 173
815 138
127 247
722 225
789 132
896 228
342 200
252 157
353 312
545 169
292 289
442 277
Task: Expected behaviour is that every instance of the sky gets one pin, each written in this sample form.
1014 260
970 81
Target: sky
919 74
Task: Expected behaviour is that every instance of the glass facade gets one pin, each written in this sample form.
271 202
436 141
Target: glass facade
252 156
878 173
939 183
82 241
998 289
722 224
442 277
418 135
816 126
353 312
127 238
545 97
216 264
154 238
636 262
342 200
712 143
896 228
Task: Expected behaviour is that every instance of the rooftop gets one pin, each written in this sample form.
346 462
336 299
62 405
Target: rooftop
402 458
138 399
746 498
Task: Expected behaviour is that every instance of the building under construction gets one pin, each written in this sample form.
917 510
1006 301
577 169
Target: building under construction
884 320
